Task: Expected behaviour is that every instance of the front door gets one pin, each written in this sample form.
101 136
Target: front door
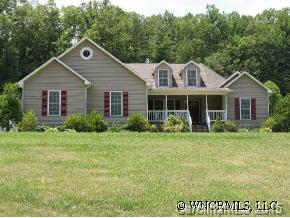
194 110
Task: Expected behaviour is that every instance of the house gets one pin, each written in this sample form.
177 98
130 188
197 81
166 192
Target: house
88 78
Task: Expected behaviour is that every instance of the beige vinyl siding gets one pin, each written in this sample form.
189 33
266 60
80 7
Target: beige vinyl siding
163 66
107 75
54 77
191 66
246 87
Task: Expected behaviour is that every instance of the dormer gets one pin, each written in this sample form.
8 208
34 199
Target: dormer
163 75
190 75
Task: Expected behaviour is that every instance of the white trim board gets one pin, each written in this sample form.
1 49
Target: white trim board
250 99
121 104
167 77
107 53
20 83
163 62
186 65
59 110
251 77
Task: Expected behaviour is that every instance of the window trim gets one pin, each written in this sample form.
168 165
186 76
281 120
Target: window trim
187 77
82 55
59 111
121 104
167 77
249 98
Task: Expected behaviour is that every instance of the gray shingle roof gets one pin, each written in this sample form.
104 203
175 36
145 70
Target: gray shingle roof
210 79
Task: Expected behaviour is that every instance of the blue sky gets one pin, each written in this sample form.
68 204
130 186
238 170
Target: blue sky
182 7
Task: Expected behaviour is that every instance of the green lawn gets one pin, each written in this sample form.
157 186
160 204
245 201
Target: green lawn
131 174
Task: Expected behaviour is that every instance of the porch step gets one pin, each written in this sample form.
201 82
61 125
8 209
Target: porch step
199 127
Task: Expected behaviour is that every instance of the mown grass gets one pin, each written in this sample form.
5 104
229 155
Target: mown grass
138 174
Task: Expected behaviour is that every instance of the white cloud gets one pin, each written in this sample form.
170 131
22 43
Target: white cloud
182 7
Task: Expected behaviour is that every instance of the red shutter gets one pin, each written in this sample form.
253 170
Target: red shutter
253 108
106 104
63 103
125 104
237 109
44 103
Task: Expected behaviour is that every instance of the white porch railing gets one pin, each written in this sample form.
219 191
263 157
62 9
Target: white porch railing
160 116
213 114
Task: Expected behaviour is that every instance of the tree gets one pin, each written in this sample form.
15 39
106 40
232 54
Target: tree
275 97
10 106
282 115
31 33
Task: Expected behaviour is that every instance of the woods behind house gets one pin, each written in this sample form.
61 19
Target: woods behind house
31 33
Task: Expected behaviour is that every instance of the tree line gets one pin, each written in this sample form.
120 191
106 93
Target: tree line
30 34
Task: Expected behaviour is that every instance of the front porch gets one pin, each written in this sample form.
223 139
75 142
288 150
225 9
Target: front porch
200 111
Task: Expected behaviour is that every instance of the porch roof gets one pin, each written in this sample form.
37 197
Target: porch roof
193 91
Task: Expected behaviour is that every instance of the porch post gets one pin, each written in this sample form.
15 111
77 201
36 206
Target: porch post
206 109
166 107
226 107
186 102
147 104
206 105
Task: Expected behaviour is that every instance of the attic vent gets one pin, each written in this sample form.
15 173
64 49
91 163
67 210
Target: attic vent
86 53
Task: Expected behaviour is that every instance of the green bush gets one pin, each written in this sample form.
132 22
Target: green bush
76 122
153 128
230 126
10 106
243 130
269 123
218 125
175 124
28 122
60 128
117 128
265 130
52 130
96 123
137 122
41 128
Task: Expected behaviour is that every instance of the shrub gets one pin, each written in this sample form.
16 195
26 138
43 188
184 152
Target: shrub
28 122
265 130
137 122
96 123
175 124
218 125
153 128
41 128
269 123
230 126
10 106
117 128
243 130
52 130
76 122
60 128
